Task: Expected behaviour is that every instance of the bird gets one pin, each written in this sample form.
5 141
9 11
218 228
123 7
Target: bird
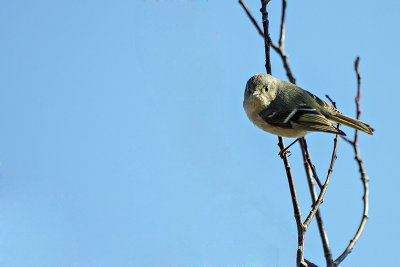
286 110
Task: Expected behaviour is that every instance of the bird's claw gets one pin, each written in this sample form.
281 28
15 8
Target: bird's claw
283 152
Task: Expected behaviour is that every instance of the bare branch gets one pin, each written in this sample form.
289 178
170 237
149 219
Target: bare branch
364 218
278 49
281 49
363 173
252 19
357 100
318 216
283 25
243 4
308 166
323 190
301 233
330 99
310 264
267 38
311 165
296 208
348 140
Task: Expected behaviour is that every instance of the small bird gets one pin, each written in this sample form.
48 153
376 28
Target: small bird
284 109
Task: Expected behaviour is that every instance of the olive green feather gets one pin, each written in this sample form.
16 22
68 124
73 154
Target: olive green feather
354 123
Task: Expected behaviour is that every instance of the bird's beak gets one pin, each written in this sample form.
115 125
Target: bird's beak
256 93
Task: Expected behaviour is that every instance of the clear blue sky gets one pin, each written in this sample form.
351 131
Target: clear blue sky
123 139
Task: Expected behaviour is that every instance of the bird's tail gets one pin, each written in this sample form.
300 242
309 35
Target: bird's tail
353 123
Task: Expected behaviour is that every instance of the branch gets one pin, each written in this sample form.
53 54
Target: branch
278 49
323 190
357 100
296 208
281 49
310 264
364 218
307 163
308 166
283 24
301 231
267 38
330 99
318 216
243 4
308 159
363 174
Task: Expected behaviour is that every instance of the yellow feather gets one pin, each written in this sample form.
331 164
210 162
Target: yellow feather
353 123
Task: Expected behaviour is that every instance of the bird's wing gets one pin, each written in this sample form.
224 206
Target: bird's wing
321 102
341 118
304 118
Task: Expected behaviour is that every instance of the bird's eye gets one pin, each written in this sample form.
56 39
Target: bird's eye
267 88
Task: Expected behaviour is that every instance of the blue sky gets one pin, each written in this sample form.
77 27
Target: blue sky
124 141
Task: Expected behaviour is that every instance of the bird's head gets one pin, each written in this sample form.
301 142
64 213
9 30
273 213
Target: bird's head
261 86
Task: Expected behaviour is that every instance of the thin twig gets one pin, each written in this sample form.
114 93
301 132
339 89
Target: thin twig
296 208
302 227
243 4
307 154
348 140
330 99
267 38
308 166
318 216
281 51
283 25
364 218
310 264
363 173
357 100
278 49
323 190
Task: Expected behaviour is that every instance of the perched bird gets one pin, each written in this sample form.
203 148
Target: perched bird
284 109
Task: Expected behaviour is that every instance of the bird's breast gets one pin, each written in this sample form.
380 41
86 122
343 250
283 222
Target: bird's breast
253 107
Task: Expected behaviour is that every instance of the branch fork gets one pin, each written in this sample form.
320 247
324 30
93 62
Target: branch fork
308 166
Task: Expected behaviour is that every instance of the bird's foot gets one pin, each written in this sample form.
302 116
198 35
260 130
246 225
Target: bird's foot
285 151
